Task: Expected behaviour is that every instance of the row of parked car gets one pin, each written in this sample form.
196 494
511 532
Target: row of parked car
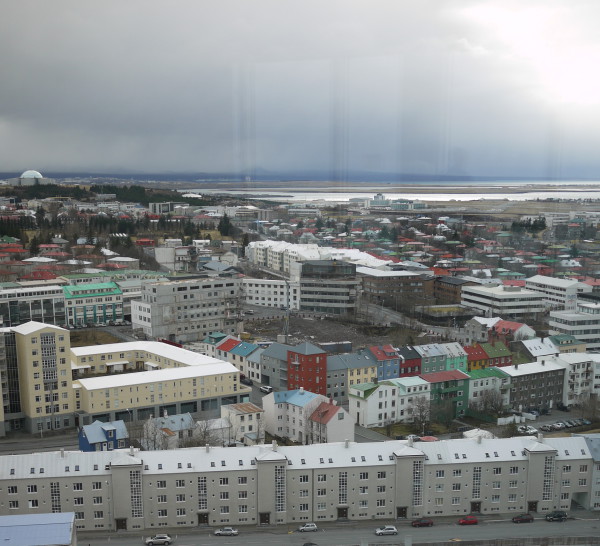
557 515
553 427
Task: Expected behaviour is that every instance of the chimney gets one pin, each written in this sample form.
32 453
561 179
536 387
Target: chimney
479 438
301 390
516 366
165 414
410 442
274 445
543 362
62 452
207 448
540 437
131 451
346 443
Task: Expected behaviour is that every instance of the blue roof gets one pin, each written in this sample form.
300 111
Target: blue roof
37 529
95 433
243 349
298 397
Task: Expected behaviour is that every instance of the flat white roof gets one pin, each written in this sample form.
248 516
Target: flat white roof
156 376
532 367
157 348
362 270
358 455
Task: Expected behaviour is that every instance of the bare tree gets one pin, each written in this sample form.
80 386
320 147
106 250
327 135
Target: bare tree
203 434
421 410
443 412
153 437
588 406
490 402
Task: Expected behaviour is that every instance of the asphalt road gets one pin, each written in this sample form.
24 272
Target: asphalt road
340 534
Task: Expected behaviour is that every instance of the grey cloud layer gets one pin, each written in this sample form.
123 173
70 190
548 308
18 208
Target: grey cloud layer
393 85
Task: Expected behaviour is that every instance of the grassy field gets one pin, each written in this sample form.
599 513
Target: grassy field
91 336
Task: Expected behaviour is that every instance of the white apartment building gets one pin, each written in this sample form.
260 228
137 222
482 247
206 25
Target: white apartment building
277 485
583 324
187 309
558 293
271 292
279 255
506 301
389 401
287 413
582 375
246 422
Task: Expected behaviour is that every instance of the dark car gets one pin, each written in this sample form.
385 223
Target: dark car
468 520
246 381
557 515
422 522
523 518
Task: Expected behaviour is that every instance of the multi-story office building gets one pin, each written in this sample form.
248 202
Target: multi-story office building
271 292
187 309
583 324
506 301
395 289
20 303
559 294
327 286
385 481
93 303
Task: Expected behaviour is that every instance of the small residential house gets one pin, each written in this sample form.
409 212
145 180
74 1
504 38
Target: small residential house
100 436
246 422
477 358
450 385
287 413
330 423
410 361
489 379
168 432
391 401
498 354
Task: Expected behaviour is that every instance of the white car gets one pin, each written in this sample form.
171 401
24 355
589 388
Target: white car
226 532
159 539
308 527
386 530
266 389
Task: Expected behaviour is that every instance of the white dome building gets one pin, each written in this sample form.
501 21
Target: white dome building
29 178
31 174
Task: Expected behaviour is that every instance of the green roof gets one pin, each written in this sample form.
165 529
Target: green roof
367 388
496 350
487 372
91 290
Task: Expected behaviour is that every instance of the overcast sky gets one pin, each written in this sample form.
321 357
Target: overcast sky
466 87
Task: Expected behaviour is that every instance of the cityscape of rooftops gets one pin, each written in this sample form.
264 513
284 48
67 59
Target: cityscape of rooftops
277 268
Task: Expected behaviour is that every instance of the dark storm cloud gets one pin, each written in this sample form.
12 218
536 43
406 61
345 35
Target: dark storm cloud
421 86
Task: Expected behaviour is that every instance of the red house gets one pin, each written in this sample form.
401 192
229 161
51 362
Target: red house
307 367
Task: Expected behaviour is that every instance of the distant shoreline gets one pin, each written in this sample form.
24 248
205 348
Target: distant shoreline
303 186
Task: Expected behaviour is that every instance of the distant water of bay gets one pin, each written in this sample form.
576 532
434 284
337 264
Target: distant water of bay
468 191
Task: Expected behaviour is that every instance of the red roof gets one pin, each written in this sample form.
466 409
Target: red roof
475 352
228 344
383 352
324 412
513 282
438 377
38 275
505 326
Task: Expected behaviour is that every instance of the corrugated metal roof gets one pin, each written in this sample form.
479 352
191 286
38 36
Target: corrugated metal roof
37 529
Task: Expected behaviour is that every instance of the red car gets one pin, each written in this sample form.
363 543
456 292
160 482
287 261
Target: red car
468 520
422 522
